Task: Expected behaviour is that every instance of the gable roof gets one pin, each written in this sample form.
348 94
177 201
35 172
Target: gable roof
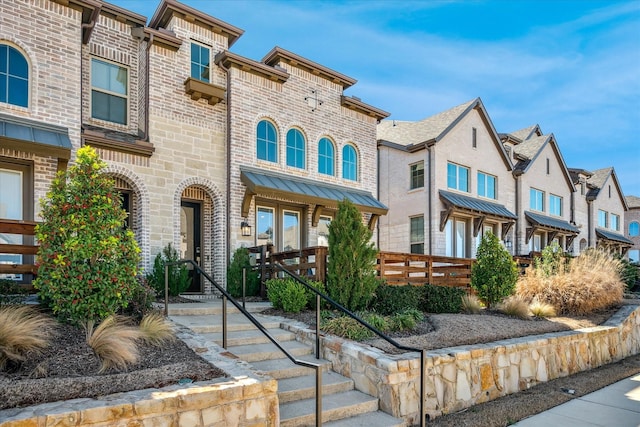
414 136
529 150
526 133
598 179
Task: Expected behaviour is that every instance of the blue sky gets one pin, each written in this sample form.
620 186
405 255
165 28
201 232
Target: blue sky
571 66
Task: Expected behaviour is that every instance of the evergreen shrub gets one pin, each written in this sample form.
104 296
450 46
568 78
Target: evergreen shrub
495 273
395 299
239 261
179 280
441 299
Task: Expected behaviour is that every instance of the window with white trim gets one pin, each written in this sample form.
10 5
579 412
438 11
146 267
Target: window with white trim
349 163
555 205
457 177
14 77
416 175
200 62
109 91
602 218
416 233
536 200
295 149
486 185
615 222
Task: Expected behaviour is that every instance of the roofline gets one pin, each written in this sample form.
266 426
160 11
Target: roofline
232 59
121 14
356 104
161 37
169 8
278 54
551 138
580 171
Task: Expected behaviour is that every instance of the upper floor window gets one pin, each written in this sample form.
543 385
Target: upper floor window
634 229
14 77
109 91
536 200
295 149
349 163
417 175
326 157
602 218
416 225
457 177
474 138
615 222
555 205
548 166
200 56
486 185
267 141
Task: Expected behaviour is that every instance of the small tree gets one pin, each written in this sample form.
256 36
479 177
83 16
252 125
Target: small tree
494 274
179 280
239 261
87 260
351 276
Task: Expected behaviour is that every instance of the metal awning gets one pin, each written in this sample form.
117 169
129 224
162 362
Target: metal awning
272 184
35 137
614 237
551 223
479 209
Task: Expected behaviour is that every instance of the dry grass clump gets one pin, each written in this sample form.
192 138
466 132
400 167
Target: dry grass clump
515 307
22 330
541 309
590 283
155 329
471 304
114 342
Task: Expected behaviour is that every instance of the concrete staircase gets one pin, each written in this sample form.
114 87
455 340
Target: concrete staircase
342 405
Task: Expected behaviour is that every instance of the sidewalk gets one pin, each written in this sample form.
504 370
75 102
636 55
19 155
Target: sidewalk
615 405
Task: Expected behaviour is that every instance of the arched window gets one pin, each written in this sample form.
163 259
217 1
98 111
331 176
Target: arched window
349 163
14 77
295 149
267 141
634 229
326 157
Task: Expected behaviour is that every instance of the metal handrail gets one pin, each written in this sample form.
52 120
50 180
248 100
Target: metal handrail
354 316
226 296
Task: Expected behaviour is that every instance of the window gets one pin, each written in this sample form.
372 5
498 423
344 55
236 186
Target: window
486 185
615 222
456 238
634 256
457 177
349 163
555 205
200 62
602 218
323 230
535 244
14 77
634 229
264 226
267 141
290 230
536 200
295 149
609 191
109 88
582 188
548 166
416 225
280 226
326 157
474 138
417 175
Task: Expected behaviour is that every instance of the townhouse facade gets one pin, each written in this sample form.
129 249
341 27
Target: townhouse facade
451 177
632 227
188 129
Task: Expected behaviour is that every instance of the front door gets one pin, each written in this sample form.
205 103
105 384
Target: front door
191 236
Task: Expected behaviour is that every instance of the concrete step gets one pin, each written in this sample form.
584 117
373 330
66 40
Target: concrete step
304 387
213 323
370 419
249 337
334 407
213 307
256 352
284 368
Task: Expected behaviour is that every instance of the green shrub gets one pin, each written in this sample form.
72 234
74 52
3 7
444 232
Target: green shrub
287 294
552 261
11 292
239 261
351 275
405 320
494 274
376 320
395 299
346 327
311 296
179 280
441 299
87 259
141 301
629 273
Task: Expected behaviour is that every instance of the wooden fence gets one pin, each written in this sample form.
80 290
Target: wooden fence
27 249
403 268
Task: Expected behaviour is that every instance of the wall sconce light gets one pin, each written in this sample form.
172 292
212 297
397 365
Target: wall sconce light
245 228
507 244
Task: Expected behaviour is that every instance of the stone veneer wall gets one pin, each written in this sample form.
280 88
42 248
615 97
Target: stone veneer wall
460 377
244 398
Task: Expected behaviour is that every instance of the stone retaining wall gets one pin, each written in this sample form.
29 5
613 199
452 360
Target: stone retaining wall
244 398
460 377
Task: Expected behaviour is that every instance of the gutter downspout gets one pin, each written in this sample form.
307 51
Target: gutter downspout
147 95
228 126
429 162
84 40
517 175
